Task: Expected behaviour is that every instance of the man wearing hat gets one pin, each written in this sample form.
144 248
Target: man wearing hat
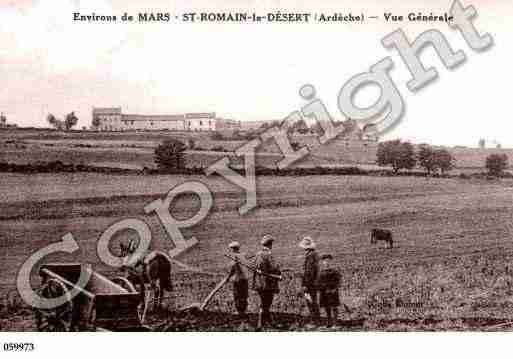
240 281
310 277
265 285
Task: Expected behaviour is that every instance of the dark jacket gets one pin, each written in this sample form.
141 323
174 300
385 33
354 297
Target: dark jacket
237 271
329 280
311 270
265 263
328 284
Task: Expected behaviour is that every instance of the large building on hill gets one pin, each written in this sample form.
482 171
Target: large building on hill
112 119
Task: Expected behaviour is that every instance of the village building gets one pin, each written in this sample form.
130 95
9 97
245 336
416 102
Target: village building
112 119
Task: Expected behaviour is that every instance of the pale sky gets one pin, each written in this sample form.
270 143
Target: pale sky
245 71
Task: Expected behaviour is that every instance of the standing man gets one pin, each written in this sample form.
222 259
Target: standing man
240 282
310 277
329 284
265 279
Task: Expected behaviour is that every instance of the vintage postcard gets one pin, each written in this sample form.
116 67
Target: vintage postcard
255 166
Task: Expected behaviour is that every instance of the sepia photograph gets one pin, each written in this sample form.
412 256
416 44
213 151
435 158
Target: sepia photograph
341 169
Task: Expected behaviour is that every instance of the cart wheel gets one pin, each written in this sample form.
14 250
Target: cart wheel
130 287
59 319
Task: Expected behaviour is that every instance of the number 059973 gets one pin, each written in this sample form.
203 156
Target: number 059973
18 347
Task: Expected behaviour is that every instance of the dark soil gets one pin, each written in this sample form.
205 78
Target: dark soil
195 320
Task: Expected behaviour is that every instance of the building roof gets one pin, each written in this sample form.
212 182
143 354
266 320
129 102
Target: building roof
201 115
135 117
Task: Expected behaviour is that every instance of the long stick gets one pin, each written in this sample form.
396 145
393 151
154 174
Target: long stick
275 276
213 292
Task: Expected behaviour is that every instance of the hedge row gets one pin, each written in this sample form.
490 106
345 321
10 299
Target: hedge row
59 167
56 167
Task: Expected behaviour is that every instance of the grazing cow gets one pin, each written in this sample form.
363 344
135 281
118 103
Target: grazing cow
382 235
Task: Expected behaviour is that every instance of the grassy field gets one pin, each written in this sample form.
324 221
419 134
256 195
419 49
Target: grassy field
135 150
451 263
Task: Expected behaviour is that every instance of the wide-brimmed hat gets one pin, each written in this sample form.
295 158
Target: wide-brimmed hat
307 243
267 239
234 244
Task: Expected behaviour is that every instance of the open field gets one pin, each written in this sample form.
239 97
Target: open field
135 150
452 261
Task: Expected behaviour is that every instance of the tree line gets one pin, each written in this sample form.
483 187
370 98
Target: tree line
64 125
403 155
169 157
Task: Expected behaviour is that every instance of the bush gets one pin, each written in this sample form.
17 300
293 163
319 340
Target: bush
496 164
433 160
426 158
399 155
169 156
443 160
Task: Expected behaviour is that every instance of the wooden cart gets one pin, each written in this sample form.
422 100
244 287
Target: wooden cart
102 304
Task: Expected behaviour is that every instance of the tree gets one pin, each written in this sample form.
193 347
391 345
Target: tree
443 160
54 122
51 119
399 155
169 156
496 164
70 121
433 160
426 158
